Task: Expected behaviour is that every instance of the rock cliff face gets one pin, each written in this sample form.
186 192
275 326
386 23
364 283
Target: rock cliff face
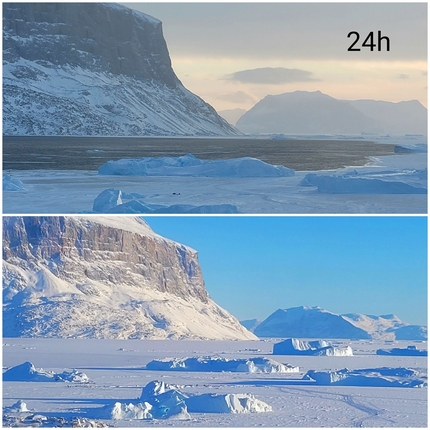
104 277
94 69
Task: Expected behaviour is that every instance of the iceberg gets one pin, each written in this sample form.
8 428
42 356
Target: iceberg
12 184
348 184
316 347
411 350
26 372
373 377
188 165
163 401
220 364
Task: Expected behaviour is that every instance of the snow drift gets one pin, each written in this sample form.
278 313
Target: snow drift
188 165
220 364
376 377
302 347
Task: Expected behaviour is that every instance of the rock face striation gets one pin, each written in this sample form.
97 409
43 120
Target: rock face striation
105 277
94 69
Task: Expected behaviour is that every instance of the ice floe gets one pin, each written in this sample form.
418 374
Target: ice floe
26 372
316 347
372 377
411 350
220 364
188 165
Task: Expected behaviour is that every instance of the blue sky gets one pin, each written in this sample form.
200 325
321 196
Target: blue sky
253 266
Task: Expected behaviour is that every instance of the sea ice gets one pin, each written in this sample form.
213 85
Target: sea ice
188 165
220 364
316 347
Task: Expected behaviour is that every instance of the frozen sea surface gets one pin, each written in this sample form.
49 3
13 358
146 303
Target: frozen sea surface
117 373
67 192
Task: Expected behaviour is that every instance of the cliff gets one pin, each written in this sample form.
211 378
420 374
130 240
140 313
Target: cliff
104 277
94 69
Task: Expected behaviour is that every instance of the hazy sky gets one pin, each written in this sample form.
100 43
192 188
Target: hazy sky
253 266
234 54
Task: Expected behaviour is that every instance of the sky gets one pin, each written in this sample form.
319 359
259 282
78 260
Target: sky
254 265
234 54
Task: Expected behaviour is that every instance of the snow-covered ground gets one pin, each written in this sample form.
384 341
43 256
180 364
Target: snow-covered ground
117 376
67 192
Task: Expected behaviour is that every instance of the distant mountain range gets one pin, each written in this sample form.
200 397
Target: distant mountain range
105 277
303 112
94 69
315 322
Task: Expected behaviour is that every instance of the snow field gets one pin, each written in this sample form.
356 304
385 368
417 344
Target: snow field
117 369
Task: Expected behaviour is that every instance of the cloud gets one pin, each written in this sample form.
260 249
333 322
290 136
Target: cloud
270 75
403 76
237 97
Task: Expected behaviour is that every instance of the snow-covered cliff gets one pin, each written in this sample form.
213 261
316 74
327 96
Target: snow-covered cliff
105 277
94 69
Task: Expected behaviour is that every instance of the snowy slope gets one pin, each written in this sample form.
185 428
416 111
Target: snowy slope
94 69
105 277
315 322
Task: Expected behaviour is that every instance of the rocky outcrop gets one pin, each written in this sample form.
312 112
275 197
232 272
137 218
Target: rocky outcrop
106 277
94 69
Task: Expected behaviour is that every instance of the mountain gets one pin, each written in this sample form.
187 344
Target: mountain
302 112
315 322
94 69
408 117
232 115
105 277
306 322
